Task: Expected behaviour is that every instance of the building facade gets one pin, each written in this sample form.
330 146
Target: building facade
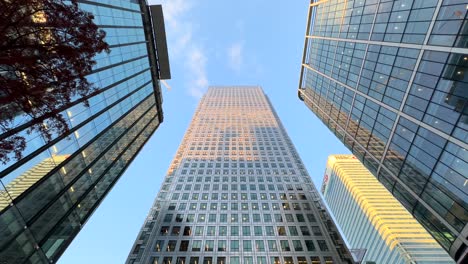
389 79
48 195
237 192
371 218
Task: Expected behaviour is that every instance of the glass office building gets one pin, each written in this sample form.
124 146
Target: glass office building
237 192
372 219
390 79
48 195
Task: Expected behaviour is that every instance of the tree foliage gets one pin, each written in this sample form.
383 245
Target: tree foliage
47 48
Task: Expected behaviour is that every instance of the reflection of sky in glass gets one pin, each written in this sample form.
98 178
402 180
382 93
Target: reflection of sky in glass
406 105
54 188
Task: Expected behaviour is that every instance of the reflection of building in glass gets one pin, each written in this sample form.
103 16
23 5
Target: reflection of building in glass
372 219
50 193
22 183
390 82
237 192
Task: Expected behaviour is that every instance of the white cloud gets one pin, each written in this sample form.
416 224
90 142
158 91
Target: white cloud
184 48
235 54
197 65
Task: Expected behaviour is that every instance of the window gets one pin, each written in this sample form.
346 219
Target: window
234 218
288 260
194 260
212 218
179 218
300 218
234 230
158 246
234 260
201 218
196 245
234 245
316 231
248 260
247 245
171 245
275 260
221 260
181 260
293 231
211 231
222 230
223 218
199 230
305 231
222 245
209 245
272 245
297 245
311 218
322 245
208 260
168 218
258 230
164 230
175 230
310 245
285 245
259 245
281 231
190 218
245 218
256 218
269 231
183 245
278 218
187 231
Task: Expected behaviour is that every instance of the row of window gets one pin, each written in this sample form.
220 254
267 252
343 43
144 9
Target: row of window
234 245
239 230
244 196
233 179
241 206
234 218
404 21
241 260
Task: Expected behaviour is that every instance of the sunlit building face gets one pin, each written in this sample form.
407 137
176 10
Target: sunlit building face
237 192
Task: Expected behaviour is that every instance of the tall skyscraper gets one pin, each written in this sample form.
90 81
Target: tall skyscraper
237 192
372 219
48 195
389 79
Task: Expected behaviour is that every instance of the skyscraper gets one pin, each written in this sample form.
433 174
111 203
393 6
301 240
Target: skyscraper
237 192
48 195
389 78
372 219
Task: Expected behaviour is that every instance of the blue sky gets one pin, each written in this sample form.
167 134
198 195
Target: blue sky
211 42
